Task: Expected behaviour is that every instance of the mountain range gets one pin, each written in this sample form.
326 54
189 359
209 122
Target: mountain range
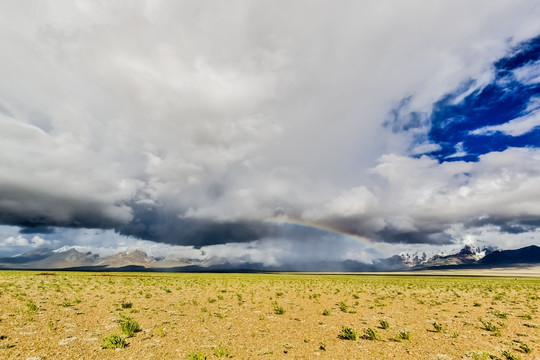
71 259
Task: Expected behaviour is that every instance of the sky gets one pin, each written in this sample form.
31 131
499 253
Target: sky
274 133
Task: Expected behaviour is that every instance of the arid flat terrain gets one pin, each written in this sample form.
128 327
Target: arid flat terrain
68 315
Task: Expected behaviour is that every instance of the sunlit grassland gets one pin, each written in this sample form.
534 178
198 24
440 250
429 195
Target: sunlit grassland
60 315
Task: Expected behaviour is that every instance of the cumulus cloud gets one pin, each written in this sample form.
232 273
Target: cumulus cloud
20 241
196 124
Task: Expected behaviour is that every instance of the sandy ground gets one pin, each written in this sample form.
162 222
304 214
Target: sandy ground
64 315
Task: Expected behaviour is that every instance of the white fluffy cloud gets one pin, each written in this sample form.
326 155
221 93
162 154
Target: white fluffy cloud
20 241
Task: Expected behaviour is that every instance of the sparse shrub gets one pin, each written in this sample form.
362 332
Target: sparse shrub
500 314
211 300
509 356
343 307
384 324
348 333
477 304
221 352
31 308
129 327
525 348
126 304
326 312
403 334
438 327
480 355
487 325
371 334
196 356
278 309
114 341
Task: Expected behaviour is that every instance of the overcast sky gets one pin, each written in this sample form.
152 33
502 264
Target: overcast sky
269 132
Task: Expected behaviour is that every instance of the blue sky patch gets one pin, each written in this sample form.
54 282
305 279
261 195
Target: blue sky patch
467 128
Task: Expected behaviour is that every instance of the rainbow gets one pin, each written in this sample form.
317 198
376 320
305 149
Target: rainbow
325 228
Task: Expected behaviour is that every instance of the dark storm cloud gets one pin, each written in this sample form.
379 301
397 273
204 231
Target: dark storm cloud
38 230
168 227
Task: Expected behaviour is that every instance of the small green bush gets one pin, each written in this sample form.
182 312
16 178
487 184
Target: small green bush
221 352
126 304
278 309
525 348
129 327
403 334
371 334
114 341
384 324
326 312
509 356
480 355
348 333
196 356
438 327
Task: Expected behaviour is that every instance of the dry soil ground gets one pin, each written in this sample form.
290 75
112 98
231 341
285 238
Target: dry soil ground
64 315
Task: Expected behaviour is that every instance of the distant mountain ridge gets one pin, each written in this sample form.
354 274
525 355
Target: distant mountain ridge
71 259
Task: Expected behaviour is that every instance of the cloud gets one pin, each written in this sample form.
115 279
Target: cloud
197 124
514 127
21 241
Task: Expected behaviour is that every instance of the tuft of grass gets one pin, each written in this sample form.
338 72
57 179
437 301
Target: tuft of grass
371 334
126 304
343 307
326 312
480 355
384 324
487 325
348 333
114 341
509 356
438 327
129 327
477 304
403 334
525 348
221 352
31 308
278 310
196 356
